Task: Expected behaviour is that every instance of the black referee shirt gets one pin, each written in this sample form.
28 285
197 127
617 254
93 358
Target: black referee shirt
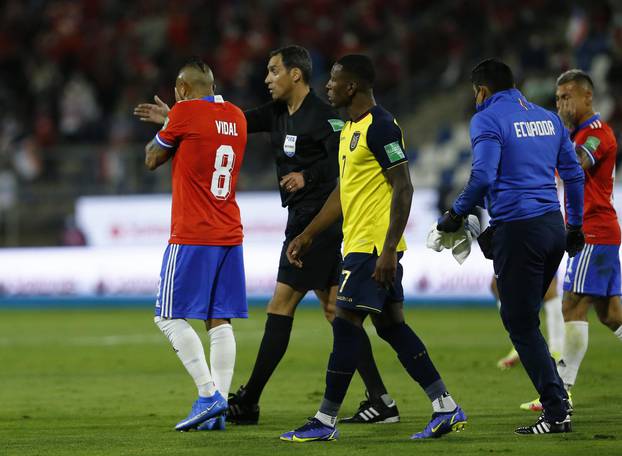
306 141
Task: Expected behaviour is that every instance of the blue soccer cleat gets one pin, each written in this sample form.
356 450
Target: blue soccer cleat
202 410
443 423
216 423
312 431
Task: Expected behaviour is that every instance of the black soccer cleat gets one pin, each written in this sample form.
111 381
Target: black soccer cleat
376 412
241 412
544 427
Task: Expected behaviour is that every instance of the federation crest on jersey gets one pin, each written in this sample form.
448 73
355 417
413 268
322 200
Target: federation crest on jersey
289 145
355 140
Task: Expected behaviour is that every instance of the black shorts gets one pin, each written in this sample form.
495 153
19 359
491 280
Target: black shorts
358 290
321 264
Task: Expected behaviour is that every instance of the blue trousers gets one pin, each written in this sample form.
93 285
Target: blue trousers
526 255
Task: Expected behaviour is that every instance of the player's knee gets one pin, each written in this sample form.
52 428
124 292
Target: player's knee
567 313
573 313
281 307
329 310
355 318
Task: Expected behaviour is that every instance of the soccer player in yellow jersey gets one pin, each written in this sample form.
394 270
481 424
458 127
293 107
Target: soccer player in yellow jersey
374 196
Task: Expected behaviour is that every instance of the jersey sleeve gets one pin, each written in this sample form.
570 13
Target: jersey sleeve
175 126
595 145
326 169
486 142
386 142
259 119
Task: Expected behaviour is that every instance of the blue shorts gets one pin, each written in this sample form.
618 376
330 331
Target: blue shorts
202 282
594 271
358 290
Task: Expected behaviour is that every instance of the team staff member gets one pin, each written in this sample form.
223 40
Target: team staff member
517 146
304 136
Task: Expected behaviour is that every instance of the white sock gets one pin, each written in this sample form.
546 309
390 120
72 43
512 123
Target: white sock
444 403
222 356
328 420
618 333
187 344
575 346
555 324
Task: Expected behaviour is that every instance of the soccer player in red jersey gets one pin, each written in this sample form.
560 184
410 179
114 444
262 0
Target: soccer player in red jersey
202 274
593 276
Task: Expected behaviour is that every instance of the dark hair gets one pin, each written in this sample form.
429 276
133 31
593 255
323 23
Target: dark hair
494 74
360 66
197 63
296 57
575 75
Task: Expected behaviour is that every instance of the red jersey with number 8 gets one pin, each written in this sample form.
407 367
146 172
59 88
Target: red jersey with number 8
600 221
208 136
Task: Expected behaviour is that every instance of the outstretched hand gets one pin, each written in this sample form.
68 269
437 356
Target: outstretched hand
150 112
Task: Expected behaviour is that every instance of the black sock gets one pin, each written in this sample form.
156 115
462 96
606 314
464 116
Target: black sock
273 347
412 354
341 364
369 371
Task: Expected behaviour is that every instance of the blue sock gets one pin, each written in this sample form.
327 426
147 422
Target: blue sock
341 364
414 357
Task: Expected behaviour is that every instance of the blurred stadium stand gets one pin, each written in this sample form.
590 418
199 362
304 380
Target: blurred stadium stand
71 72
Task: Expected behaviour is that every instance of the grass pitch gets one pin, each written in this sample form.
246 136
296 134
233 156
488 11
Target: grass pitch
105 382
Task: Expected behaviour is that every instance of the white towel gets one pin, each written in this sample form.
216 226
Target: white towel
459 242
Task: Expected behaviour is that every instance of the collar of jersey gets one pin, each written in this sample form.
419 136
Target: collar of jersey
362 116
214 98
582 125
508 95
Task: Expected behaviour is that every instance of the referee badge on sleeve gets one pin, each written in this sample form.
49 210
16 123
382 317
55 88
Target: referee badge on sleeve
355 140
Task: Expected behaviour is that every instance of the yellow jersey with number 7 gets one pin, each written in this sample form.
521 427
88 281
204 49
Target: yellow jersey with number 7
367 147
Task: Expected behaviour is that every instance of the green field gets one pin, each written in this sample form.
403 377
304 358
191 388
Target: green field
105 382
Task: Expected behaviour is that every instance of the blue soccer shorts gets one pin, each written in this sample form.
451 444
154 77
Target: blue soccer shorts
202 282
358 290
594 271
